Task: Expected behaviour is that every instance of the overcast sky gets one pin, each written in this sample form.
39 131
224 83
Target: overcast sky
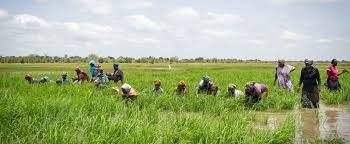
247 29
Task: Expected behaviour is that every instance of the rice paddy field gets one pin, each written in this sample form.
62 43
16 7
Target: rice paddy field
50 113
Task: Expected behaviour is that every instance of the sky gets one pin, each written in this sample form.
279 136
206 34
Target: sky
246 29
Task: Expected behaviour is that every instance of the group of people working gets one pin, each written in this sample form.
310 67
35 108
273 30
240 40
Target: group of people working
253 92
310 80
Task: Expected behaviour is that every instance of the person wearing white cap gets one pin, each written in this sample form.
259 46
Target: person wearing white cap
282 75
233 92
126 91
311 81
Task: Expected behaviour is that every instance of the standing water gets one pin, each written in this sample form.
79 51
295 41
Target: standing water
325 123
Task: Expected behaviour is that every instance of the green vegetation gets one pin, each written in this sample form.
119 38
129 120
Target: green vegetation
47 113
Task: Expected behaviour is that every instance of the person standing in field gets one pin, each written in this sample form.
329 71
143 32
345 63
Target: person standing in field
254 92
310 78
101 79
64 79
333 75
92 69
81 76
118 74
282 75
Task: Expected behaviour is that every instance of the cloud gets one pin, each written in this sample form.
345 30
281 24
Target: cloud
184 12
98 7
40 1
3 13
256 42
141 22
30 21
85 31
325 40
303 1
217 33
137 4
288 35
222 19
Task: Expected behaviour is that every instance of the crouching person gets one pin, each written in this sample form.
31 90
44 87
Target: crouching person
254 92
127 92
101 79
233 92
206 85
64 79
181 89
30 79
157 89
81 76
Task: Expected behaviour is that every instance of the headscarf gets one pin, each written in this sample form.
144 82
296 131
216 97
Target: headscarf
232 86
157 82
182 83
115 66
282 61
126 86
92 63
309 61
64 73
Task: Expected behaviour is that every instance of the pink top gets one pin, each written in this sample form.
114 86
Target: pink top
332 73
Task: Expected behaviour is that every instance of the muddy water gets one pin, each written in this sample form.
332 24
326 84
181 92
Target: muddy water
335 120
327 122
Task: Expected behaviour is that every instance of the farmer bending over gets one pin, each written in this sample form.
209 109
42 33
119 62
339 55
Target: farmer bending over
254 92
233 92
127 92
101 79
157 89
30 79
181 88
205 85
81 76
64 79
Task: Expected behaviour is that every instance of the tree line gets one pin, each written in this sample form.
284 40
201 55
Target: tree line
32 58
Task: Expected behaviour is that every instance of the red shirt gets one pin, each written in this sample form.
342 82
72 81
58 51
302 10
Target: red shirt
332 73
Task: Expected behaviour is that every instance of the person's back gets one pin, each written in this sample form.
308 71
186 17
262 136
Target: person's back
310 78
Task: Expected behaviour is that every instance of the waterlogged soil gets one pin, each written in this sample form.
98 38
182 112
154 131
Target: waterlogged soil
327 122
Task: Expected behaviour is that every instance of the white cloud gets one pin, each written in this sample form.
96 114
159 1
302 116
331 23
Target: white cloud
137 4
3 13
142 40
256 42
87 31
288 35
217 33
141 22
40 1
184 12
325 40
303 1
223 19
98 7
30 21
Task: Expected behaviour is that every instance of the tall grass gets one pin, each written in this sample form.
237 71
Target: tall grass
47 113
